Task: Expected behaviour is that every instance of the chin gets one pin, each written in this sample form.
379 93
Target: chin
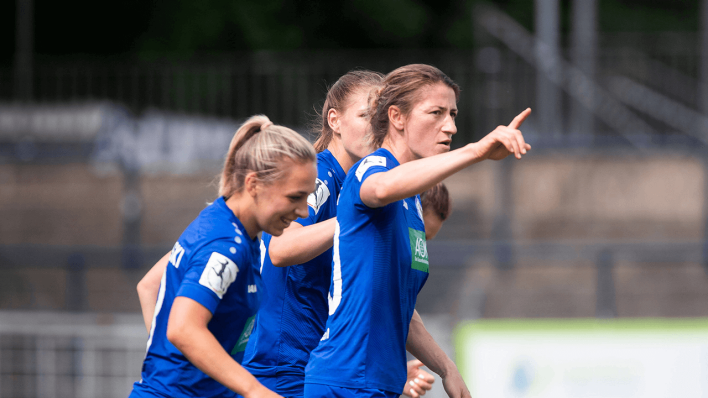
274 231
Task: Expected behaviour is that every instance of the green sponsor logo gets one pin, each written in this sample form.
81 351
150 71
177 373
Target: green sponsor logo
243 339
419 250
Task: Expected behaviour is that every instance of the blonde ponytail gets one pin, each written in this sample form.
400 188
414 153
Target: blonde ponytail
259 146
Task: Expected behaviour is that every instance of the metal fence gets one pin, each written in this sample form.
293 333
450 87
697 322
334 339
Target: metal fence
497 79
65 355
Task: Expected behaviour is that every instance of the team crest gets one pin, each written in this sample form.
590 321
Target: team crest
319 197
218 274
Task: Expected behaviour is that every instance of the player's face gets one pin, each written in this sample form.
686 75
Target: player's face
433 223
284 200
431 122
354 124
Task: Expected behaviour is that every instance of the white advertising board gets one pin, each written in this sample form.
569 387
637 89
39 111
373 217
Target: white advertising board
584 358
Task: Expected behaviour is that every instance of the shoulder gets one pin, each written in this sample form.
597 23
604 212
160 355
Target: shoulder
325 185
221 234
218 263
377 162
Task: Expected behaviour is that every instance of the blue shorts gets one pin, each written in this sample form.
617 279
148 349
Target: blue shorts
321 390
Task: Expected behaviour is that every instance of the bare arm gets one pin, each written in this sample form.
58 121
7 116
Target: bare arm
289 248
187 330
149 287
421 344
417 176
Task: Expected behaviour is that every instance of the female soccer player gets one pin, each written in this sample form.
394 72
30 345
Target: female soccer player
211 289
291 320
380 258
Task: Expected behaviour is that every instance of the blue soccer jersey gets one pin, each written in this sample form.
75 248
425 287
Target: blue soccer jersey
380 263
292 317
214 263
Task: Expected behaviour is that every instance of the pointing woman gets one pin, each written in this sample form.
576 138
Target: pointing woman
380 261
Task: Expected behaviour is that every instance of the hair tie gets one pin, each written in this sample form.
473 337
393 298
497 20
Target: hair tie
266 125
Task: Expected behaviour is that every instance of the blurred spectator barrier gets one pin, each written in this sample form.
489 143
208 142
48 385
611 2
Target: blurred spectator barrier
61 355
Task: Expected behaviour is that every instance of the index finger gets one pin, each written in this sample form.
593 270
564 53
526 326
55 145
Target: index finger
516 123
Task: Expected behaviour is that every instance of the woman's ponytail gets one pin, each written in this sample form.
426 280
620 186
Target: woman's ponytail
259 146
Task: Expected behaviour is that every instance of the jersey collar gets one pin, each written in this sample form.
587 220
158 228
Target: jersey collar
235 221
335 165
387 154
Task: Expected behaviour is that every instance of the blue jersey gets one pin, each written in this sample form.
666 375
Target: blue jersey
292 317
379 265
214 263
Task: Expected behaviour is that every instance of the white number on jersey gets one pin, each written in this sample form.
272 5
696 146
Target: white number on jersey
335 298
158 307
263 253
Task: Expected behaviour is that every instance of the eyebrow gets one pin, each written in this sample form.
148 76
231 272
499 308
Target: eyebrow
444 108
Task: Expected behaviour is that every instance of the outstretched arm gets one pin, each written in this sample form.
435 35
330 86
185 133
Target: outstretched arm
187 330
300 244
417 176
148 289
421 344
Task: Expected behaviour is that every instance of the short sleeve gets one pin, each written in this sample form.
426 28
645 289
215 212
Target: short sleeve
213 271
368 167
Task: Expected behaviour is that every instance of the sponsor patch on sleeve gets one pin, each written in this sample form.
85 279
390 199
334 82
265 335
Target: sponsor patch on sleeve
319 197
368 162
218 274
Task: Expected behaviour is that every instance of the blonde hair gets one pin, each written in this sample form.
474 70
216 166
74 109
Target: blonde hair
260 146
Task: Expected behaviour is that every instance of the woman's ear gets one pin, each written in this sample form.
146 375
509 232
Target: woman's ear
333 120
395 117
250 184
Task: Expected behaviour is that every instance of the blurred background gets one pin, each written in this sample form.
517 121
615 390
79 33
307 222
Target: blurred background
578 271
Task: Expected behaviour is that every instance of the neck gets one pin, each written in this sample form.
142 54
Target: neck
345 159
395 143
242 205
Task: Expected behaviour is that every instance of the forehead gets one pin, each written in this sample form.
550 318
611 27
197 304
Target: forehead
359 97
438 94
297 175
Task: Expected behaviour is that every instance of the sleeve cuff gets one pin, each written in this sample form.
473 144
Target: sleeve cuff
200 294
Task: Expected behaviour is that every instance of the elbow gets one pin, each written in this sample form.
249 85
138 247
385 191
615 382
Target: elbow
176 335
142 288
276 259
382 195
